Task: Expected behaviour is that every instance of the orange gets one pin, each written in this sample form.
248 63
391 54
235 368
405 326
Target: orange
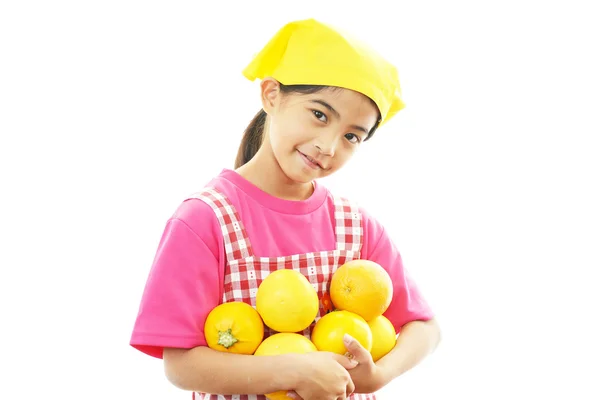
286 301
234 327
328 333
284 343
384 336
362 287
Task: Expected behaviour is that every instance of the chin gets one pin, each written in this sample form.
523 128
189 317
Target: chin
299 176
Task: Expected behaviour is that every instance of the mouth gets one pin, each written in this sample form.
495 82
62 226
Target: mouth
311 161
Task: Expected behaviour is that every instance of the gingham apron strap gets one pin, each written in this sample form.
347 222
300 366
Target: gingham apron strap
235 237
348 225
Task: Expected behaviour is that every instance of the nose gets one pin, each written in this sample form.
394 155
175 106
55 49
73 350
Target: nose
326 146
326 151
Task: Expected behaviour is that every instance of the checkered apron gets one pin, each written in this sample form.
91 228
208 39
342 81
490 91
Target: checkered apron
244 271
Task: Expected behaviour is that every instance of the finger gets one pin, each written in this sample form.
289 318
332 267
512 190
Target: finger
356 350
350 388
294 395
346 362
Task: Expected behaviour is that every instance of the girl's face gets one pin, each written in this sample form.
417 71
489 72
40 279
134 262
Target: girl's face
313 135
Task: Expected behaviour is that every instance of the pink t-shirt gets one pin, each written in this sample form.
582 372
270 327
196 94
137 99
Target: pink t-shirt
186 279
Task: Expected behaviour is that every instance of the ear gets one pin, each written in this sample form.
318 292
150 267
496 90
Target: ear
269 94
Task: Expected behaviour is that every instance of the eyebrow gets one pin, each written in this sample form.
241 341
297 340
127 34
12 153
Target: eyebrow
337 114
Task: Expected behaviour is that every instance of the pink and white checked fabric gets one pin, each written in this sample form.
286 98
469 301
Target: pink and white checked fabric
348 226
244 272
235 237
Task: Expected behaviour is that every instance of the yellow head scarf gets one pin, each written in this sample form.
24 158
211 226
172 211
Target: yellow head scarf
312 53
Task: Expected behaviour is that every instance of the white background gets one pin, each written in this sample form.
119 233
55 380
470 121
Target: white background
112 112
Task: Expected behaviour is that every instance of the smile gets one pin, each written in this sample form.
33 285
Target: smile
311 162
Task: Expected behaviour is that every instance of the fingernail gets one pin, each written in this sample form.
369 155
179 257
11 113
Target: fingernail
347 338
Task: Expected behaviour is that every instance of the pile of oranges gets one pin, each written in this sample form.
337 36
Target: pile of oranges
360 292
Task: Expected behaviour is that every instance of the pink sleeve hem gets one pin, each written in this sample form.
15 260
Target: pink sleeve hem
153 345
424 316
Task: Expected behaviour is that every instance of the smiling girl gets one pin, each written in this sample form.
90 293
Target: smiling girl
323 95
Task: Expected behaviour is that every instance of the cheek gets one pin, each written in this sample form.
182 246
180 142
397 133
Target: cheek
284 138
282 145
344 155
275 135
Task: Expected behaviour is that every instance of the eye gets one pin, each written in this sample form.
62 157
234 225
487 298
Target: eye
320 116
352 138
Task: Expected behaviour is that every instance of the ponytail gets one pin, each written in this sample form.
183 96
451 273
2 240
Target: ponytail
252 139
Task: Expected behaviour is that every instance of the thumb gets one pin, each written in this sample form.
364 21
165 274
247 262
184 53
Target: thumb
293 395
356 350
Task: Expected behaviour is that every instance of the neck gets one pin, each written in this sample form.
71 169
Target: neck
264 172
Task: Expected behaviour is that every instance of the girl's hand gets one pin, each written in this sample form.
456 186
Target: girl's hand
323 375
367 376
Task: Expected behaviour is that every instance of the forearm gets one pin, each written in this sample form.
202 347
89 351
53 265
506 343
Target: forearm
206 370
416 341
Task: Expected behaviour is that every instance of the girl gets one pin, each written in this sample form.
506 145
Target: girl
323 94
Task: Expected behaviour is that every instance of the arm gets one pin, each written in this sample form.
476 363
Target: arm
203 369
312 375
416 341
409 312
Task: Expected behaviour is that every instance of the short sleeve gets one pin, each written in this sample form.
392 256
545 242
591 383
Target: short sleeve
408 303
181 289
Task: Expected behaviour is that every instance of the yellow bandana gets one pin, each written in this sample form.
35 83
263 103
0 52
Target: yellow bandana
309 52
